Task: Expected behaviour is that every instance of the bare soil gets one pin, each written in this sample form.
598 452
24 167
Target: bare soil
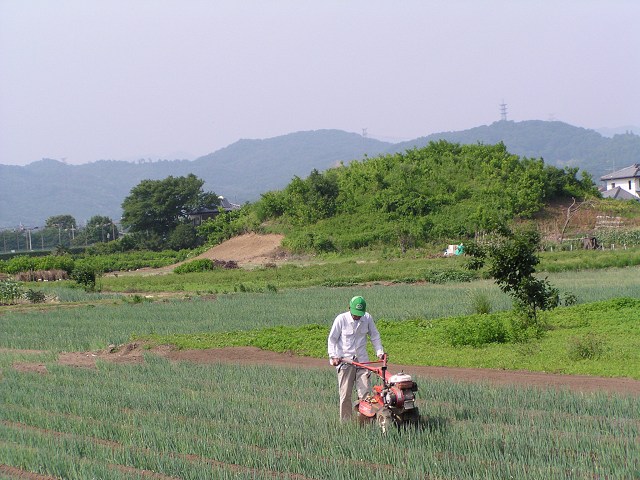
134 353
248 250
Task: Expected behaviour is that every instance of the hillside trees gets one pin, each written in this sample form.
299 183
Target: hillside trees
154 208
438 193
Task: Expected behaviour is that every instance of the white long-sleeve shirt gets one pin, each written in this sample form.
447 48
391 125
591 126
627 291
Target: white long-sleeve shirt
348 337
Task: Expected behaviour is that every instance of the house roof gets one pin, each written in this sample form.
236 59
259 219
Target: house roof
628 172
618 193
225 205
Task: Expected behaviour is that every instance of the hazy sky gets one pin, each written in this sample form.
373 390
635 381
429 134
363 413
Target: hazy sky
85 80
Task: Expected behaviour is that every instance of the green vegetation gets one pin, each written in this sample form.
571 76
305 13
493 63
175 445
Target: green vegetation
133 421
368 267
110 262
155 208
611 348
431 318
374 227
200 265
171 419
443 191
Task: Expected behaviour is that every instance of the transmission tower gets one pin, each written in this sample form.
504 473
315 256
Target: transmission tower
503 111
364 132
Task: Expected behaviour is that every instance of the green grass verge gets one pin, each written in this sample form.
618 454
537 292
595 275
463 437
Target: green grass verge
601 338
336 271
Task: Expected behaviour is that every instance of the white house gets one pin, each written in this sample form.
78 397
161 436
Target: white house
623 184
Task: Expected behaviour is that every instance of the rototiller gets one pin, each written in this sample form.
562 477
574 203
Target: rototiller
391 403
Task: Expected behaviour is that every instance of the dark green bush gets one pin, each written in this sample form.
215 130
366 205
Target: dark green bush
35 296
200 265
477 330
85 275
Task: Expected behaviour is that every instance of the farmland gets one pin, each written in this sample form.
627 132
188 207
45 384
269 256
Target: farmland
166 419
228 421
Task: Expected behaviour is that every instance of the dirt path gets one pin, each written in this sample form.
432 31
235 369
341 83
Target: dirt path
134 353
583 383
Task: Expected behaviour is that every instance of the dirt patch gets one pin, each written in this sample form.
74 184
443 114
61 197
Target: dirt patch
248 249
30 367
134 353
13 472
129 353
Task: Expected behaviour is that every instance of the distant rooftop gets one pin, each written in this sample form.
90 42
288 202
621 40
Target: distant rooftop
628 172
618 193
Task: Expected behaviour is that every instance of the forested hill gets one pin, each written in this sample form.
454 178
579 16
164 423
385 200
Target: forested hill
438 193
247 168
558 143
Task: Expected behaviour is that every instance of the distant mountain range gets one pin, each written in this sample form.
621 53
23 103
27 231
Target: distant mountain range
247 168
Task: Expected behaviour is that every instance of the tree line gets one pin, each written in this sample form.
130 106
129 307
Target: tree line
439 193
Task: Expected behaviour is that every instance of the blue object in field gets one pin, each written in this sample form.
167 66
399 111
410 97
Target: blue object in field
459 249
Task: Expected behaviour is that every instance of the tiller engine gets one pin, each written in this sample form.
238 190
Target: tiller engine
391 403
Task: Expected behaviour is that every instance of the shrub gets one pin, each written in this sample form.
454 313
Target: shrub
587 347
10 291
568 299
479 302
477 330
85 275
200 265
35 296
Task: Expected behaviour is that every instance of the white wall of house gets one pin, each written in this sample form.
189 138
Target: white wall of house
630 184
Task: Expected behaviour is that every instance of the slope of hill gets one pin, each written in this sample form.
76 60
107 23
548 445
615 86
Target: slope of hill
247 168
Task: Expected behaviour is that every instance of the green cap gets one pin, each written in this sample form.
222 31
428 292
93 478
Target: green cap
358 306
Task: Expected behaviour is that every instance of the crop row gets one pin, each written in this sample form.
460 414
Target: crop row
93 327
199 421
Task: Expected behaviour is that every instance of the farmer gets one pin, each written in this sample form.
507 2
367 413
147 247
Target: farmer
348 339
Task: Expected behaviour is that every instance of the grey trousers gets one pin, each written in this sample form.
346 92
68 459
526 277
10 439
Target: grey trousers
348 375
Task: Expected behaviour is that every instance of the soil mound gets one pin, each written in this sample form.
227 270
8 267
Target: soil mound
249 248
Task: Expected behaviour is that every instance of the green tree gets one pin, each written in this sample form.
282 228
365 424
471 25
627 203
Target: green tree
100 229
512 260
156 207
183 236
61 221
